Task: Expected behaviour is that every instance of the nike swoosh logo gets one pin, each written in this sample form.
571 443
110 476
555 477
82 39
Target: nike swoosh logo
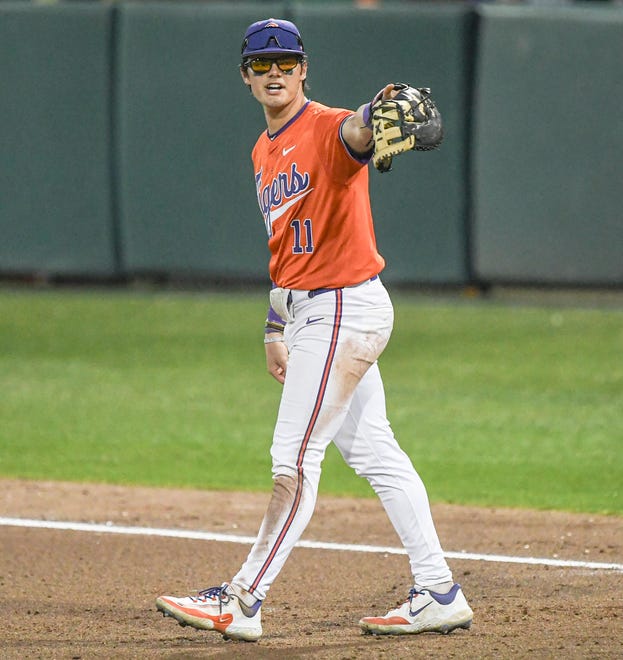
311 320
285 152
412 613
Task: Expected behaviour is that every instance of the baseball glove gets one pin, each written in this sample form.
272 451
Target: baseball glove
410 120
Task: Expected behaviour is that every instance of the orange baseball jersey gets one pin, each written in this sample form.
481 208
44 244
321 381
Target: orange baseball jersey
313 195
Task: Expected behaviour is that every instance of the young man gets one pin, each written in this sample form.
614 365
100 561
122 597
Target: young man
330 318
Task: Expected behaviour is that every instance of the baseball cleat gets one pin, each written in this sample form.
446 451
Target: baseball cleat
216 608
423 611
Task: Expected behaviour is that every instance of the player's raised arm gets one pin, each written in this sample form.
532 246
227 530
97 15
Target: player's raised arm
398 119
357 129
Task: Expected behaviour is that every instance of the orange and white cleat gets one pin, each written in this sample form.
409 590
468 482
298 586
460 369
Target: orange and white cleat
423 611
216 608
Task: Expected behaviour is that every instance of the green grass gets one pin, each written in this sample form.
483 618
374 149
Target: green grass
497 405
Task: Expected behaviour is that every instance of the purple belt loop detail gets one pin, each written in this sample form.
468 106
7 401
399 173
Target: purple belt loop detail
316 292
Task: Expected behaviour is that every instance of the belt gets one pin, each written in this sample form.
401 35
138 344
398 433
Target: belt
316 292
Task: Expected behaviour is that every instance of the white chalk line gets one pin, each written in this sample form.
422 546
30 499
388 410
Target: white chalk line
110 528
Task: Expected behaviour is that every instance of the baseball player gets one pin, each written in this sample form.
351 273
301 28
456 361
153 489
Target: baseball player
329 320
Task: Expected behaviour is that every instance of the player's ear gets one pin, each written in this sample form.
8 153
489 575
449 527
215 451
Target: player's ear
245 78
304 84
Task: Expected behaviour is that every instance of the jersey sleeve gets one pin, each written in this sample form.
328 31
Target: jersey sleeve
337 158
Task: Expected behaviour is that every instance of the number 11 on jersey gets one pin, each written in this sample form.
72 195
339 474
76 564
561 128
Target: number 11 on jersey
298 247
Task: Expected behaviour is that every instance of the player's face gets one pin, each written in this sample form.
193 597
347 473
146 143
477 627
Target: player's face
276 82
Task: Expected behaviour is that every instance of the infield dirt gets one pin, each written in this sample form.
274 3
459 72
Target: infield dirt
87 595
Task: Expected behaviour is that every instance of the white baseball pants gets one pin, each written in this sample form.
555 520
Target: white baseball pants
333 392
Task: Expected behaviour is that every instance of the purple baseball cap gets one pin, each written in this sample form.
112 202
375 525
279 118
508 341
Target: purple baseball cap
272 36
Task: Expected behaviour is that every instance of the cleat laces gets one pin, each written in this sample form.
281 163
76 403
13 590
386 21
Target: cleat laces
213 593
413 593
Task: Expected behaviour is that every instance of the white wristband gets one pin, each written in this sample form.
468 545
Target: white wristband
271 340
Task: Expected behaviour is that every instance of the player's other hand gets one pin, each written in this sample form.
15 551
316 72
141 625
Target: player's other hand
277 360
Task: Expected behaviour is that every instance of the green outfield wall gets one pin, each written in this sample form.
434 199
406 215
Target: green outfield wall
55 138
548 145
126 133
186 128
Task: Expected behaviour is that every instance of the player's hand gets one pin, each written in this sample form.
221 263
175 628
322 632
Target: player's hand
357 129
389 91
277 360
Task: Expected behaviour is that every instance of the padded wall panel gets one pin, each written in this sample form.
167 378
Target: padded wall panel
55 179
420 206
549 139
187 126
